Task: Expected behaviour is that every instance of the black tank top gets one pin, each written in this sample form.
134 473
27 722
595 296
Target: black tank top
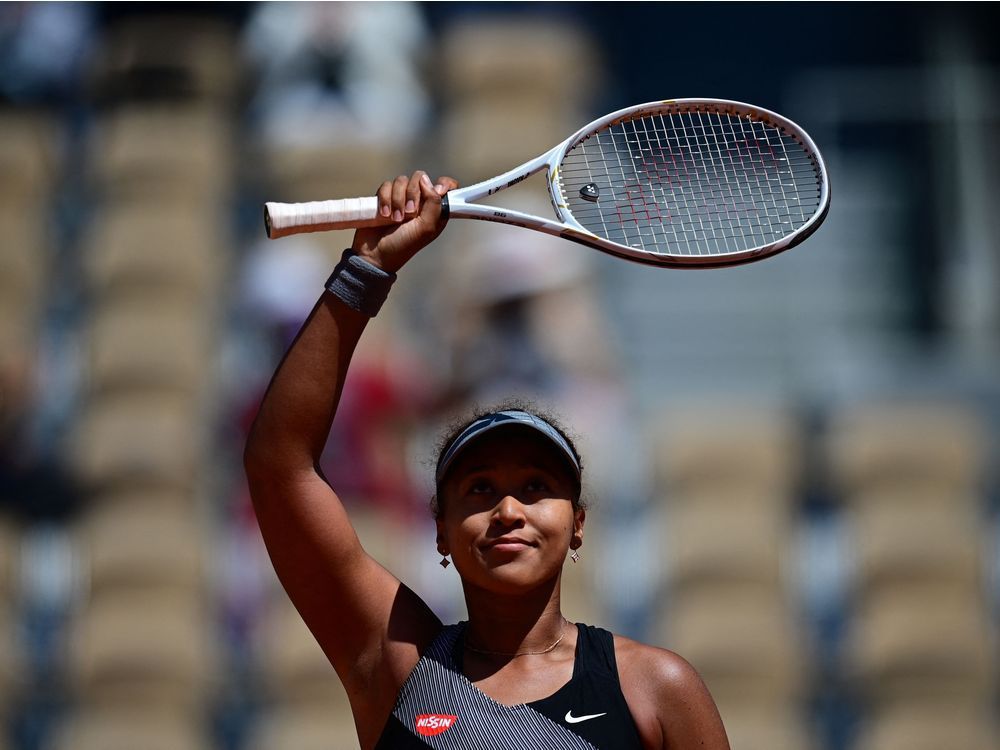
438 707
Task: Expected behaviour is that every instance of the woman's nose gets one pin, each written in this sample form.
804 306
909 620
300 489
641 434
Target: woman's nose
509 511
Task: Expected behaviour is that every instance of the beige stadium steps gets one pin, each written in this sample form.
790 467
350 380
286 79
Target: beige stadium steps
915 541
29 159
165 152
190 500
719 538
144 649
24 262
930 727
931 644
740 641
10 550
149 251
139 439
751 725
12 669
136 343
129 728
303 729
933 446
502 58
142 546
758 450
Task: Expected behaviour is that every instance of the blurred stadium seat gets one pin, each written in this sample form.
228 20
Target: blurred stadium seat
144 649
718 537
155 251
143 439
24 263
156 548
767 728
29 158
910 477
514 60
145 496
915 539
746 645
931 727
163 152
914 445
9 551
758 451
135 343
727 478
303 729
930 643
12 675
128 728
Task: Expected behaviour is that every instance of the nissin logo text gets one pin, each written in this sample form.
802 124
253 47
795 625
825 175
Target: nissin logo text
431 724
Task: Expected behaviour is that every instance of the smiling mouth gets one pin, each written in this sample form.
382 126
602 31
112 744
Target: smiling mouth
508 545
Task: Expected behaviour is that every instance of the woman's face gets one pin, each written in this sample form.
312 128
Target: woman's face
508 519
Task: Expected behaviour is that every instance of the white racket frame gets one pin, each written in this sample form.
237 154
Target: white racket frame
282 219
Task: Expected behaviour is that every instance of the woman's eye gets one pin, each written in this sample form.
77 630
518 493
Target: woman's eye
537 485
480 487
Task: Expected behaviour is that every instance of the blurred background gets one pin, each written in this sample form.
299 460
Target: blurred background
791 465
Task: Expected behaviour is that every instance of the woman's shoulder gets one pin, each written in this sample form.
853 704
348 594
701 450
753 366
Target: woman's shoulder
652 666
667 696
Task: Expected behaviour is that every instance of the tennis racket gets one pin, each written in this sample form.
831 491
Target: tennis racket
680 183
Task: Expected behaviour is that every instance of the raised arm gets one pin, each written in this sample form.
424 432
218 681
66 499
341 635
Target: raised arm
345 597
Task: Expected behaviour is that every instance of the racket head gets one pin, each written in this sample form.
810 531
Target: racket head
690 183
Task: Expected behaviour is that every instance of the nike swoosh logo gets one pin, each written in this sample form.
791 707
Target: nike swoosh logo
571 719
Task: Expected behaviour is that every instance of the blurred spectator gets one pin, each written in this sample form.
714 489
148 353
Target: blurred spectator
326 69
42 48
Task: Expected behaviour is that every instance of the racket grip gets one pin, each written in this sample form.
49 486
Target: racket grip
283 219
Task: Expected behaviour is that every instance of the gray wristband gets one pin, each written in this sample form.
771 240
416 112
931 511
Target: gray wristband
359 284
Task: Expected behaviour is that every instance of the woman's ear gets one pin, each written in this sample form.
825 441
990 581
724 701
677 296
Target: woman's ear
442 543
579 519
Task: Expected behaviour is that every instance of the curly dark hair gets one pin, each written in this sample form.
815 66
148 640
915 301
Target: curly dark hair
458 426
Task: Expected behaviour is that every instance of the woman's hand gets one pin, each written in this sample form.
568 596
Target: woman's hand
414 205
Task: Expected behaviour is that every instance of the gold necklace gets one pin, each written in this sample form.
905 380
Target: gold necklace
520 653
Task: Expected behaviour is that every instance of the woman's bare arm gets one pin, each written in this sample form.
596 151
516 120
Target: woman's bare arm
370 626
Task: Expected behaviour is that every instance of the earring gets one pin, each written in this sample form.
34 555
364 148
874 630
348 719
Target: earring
575 557
444 562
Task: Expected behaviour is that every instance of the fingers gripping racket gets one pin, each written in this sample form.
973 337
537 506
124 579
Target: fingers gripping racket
687 182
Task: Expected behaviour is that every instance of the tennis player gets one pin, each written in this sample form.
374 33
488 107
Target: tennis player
508 512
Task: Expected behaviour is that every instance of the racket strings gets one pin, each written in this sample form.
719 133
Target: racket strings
691 183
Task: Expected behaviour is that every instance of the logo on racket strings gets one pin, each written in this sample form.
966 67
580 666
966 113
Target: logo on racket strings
430 725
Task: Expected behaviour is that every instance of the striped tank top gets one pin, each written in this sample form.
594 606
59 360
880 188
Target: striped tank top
438 707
